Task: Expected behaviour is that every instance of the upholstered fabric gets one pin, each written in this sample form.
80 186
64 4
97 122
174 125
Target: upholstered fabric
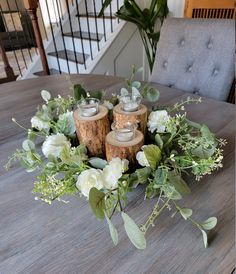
197 56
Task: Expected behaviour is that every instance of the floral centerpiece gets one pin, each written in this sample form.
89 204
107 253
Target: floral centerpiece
174 146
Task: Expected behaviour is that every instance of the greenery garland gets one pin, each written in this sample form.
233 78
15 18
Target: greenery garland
174 146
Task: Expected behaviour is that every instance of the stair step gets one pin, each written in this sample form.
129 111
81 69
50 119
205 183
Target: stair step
93 15
52 72
85 35
70 55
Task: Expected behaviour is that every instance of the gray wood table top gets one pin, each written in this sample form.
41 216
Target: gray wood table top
38 238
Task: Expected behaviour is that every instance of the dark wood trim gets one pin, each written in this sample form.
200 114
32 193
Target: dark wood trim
31 6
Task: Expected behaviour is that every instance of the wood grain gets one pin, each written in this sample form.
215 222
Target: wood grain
92 131
37 238
140 116
124 150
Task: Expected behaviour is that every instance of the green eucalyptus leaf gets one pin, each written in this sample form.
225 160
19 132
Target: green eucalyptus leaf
136 84
203 153
97 162
153 155
152 94
185 212
159 141
113 231
143 174
160 177
135 92
45 95
171 193
209 224
124 92
79 92
97 202
205 131
205 240
28 145
179 184
134 233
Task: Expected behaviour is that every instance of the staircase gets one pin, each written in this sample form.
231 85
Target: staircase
79 38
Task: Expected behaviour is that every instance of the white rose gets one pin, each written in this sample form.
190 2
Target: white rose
113 172
54 144
39 124
108 105
141 158
70 125
157 121
88 179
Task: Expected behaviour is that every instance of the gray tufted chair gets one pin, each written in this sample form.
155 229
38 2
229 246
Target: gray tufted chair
197 56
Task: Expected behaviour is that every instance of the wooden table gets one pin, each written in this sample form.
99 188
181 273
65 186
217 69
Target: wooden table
38 238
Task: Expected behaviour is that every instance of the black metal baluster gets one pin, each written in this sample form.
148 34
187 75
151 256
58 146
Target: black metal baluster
26 39
72 34
87 17
63 38
104 25
17 38
9 38
80 33
96 24
111 18
53 37
118 7
29 29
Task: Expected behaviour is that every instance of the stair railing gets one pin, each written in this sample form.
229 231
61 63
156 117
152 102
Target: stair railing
79 14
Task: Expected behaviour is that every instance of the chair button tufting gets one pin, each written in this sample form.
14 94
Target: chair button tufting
165 64
189 69
182 42
210 45
196 92
215 72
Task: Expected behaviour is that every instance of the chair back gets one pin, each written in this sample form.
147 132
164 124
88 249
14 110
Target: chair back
197 56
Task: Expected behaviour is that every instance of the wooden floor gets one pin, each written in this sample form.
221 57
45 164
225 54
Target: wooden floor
20 55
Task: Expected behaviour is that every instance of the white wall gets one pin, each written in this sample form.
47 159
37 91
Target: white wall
176 7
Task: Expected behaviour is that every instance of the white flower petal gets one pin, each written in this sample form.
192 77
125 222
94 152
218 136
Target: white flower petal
54 144
88 179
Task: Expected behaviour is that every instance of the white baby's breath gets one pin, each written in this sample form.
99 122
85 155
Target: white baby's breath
54 144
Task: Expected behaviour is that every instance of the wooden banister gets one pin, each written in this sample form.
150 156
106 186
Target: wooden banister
8 69
31 6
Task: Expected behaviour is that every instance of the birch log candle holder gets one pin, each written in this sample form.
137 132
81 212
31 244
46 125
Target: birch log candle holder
124 142
92 126
121 116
